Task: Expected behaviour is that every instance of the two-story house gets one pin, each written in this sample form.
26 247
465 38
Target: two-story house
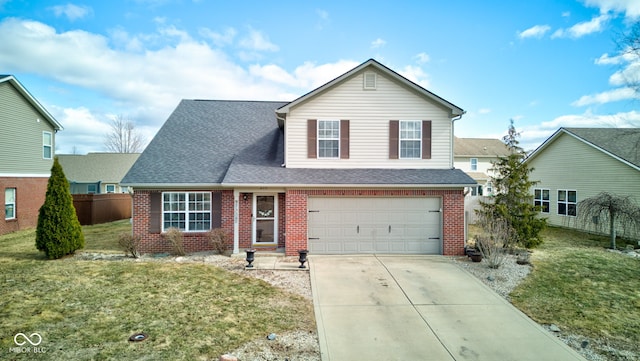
27 147
362 164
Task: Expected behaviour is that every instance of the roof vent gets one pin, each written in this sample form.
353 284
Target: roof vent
369 80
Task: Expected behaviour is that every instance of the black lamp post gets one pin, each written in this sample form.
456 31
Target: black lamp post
250 257
303 257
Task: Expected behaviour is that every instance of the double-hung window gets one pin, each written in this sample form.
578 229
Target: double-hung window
541 199
567 203
328 138
474 164
187 211
47 145
10 203
110 188
410 139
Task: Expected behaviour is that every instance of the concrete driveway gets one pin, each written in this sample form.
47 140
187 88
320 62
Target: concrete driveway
419 308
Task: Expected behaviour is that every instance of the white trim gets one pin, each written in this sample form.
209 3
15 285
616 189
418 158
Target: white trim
25 175
329 139
106 188
47 145
187 212
565 202
542 200
411 140
15 192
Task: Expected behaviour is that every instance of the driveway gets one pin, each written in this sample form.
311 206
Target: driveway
419 308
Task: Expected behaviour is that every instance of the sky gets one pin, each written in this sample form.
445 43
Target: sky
545 64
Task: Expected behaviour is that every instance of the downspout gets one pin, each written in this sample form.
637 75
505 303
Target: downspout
453 137
236 221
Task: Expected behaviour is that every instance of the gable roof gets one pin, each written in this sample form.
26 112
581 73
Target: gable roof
97 167
33 101
479 147
622 144
238 143
454 109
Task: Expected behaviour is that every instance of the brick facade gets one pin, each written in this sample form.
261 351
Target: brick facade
30 194
292 218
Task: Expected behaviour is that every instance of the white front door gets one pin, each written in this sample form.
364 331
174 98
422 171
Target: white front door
265 221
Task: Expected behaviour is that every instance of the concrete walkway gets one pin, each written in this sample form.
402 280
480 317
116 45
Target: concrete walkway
419 308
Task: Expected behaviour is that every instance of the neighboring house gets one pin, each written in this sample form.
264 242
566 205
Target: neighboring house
578 163
362 164
27 148
475 156
97 173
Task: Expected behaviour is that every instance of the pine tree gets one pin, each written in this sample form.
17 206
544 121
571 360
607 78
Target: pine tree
513 202
59 232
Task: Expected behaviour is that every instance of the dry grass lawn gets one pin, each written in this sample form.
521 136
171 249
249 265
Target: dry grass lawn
86 310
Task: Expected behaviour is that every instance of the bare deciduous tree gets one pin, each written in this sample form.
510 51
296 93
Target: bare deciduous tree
612 210
123 137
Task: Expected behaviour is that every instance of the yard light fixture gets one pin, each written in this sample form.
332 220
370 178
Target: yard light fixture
303 257
250 257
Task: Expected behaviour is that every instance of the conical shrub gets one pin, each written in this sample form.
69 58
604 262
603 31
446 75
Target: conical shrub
59 232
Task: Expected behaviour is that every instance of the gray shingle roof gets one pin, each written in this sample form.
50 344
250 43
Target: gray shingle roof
96 167
479 147
240 143
624 143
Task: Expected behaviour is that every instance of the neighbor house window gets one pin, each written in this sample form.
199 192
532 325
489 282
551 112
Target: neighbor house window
328 138
187 211
410 139
110 188
91 188
474 164
47 145
541 199
567 203
10 203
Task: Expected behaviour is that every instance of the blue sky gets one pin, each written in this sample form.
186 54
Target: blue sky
543 63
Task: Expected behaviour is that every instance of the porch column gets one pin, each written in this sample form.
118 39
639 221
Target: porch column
236 221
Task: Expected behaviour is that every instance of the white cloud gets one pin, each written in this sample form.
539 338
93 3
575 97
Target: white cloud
257 41
378 43
219 39
606 97
71 11
422 58
581 29
536 31
484 111
566 14
416 75
323 19
605 59
631 8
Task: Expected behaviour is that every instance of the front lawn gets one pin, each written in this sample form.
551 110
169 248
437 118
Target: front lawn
585 290
88 309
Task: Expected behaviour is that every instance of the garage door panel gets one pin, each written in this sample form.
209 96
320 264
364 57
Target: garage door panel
361 225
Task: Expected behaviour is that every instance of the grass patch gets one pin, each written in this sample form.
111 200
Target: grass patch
88 309
586 290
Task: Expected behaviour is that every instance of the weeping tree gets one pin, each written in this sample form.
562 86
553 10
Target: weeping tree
612 210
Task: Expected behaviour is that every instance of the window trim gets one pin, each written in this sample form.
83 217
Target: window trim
187 212
472 164
542 200
336 139
566 203
106 188
44 145
14 216
400 139
95 188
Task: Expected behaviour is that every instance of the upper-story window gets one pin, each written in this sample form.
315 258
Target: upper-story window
328 138
410 139
47 145
474 164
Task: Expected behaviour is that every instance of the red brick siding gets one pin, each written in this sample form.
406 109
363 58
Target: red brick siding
246 209
193 241
30 194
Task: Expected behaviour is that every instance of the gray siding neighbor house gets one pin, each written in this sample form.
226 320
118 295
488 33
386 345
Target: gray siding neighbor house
578 163
362 164
97 173
27 149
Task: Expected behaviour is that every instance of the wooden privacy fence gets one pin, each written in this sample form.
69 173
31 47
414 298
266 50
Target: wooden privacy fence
102 208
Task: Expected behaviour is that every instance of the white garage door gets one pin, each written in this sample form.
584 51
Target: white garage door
374 225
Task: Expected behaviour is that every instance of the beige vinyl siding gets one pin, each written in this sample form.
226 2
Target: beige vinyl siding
369 113
570 164
21 135
484 164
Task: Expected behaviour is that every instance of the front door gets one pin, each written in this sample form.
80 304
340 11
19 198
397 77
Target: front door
265 225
